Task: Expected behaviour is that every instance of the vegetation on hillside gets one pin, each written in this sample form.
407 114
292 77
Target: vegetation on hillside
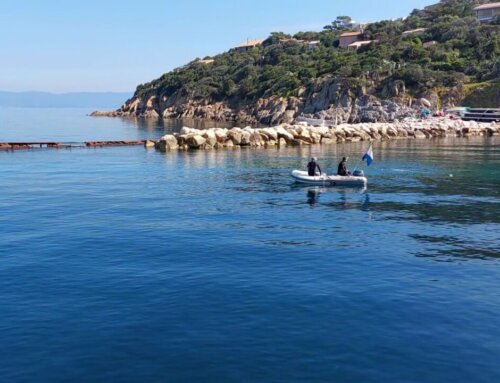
465 51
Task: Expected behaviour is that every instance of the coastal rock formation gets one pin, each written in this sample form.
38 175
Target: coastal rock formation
302 134
332 99
451 61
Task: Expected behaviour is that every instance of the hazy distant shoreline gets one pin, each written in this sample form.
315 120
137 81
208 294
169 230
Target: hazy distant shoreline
63 100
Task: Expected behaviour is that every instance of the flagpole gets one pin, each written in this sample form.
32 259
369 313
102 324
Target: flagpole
356 168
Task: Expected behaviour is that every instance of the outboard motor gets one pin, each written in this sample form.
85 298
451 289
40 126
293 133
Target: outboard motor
358 173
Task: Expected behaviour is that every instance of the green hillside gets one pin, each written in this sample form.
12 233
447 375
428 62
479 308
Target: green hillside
460 50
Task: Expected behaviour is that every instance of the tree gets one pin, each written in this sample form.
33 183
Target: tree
340 23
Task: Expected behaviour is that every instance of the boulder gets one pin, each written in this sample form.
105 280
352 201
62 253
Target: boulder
402 132
182 139
327 140
392 132
256 139
296 142
419 134
316 137
195 142
221 135
245 138
282 141
186 131
271 133
234 136
167 142
282 133
210 137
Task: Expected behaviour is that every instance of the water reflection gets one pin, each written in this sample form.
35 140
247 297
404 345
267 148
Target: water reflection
348 197
162 126
313 196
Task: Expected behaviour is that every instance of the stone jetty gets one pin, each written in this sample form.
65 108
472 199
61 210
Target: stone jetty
302 134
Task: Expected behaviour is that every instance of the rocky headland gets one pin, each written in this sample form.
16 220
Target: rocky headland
441 53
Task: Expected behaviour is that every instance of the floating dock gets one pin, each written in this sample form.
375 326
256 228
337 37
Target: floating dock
64 145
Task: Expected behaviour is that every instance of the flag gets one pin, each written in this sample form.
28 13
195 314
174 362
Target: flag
368 156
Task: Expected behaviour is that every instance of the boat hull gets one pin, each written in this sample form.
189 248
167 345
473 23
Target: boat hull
325 180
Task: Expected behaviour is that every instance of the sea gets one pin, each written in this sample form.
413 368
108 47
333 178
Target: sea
124 264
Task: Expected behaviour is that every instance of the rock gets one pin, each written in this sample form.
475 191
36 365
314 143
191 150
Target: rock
299 135
182 139
234 136
282 141
255 139
392 132
210 137
419 134
296 142
167 142
195 142
221 135
326 140
316 137
402 132
282 133
186 131
270 133
149 144
245 138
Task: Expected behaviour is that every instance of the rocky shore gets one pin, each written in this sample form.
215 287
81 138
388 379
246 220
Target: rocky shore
302 134
331 99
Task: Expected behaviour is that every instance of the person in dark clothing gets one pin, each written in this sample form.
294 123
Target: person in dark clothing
342 170
312 166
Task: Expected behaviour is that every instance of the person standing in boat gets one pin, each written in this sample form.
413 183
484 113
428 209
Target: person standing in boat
342 169
312 166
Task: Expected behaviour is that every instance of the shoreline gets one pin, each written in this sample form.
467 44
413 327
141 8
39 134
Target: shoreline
282 135
302 134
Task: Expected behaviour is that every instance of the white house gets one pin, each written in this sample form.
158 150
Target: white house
487 12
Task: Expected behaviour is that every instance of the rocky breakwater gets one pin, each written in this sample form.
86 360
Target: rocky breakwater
301 134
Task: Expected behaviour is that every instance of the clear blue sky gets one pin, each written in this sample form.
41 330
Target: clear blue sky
114 45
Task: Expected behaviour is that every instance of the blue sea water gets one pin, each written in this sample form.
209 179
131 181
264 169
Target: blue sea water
129 265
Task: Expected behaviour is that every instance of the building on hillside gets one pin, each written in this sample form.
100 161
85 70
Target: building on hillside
290 40
429 44
206 61
487 12
249 44
312 44
357 44
416 32
348 38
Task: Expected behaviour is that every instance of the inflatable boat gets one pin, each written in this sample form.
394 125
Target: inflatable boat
357 179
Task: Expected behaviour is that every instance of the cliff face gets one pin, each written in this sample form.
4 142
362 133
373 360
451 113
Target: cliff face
331 99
